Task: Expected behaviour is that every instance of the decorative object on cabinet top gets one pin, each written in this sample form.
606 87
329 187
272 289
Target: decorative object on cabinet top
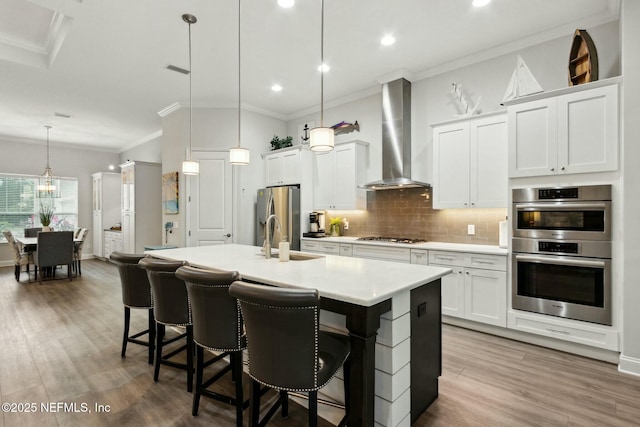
467 110
344 127
583 59
277 142
564 91
522 82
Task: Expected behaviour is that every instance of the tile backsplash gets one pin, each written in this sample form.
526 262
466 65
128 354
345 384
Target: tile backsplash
409 213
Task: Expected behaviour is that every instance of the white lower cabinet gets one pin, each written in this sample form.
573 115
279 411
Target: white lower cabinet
320 247
565 329
112 242
383 253
478 294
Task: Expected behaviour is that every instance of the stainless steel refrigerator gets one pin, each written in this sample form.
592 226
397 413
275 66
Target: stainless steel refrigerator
284 202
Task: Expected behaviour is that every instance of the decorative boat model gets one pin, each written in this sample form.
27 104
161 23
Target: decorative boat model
583 59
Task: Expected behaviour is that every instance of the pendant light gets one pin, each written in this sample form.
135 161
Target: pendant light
238 155
190 167
48 185
322 138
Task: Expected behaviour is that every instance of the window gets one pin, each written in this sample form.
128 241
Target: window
19 208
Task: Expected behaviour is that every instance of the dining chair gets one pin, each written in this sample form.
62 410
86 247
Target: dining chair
20 258
32 232
54 248
287 349
217 326
78 243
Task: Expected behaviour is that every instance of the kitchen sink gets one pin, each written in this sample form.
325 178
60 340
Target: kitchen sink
295 256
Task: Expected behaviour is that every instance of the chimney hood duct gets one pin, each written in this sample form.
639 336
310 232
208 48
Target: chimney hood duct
396 138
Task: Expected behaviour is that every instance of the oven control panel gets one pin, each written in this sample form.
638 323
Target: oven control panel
564 247
557 193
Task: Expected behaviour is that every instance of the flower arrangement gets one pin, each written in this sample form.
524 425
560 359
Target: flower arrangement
277 142
46 214
334 226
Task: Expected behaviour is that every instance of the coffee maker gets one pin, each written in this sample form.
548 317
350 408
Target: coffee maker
316 225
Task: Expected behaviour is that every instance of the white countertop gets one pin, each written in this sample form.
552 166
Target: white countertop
441 246
359 281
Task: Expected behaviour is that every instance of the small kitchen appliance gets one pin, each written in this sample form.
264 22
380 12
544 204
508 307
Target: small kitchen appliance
316 225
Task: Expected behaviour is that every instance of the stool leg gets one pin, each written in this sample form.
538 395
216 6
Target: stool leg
199 373
125 338
159 338
189 358
254 404
236 360
285 404
152 335
313 409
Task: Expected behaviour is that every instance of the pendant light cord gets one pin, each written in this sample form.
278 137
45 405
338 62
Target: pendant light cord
239 73
190 95
48 127
322 65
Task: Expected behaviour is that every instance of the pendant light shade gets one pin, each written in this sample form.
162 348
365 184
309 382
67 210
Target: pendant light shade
239 156
322 138
189 166
48 185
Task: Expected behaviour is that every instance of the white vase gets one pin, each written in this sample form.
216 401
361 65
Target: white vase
46 228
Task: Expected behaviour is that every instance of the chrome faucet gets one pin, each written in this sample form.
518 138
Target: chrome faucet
267 235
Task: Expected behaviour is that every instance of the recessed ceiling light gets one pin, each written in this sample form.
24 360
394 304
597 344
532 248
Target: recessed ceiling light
387 40
286 3
480 3
323 68
111 167
276 88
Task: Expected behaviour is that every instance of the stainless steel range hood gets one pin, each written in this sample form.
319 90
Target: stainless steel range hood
396 138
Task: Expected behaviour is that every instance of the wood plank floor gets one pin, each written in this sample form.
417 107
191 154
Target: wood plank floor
60 342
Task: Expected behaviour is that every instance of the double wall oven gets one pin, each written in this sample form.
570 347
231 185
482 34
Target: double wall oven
562 252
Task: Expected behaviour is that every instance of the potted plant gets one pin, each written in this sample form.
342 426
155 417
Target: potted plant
46 214
334 226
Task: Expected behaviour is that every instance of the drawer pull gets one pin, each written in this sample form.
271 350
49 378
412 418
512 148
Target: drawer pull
558 331
445 258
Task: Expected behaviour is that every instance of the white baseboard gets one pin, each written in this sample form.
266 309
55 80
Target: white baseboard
629 365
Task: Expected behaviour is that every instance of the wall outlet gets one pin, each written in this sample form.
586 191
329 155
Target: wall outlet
471 229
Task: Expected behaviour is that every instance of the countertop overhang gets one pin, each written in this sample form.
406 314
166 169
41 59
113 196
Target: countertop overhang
358 281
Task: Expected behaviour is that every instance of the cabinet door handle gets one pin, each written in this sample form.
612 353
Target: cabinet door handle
467 272
562 168
552 169
559 331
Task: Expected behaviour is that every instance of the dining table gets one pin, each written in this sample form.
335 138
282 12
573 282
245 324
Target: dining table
376 298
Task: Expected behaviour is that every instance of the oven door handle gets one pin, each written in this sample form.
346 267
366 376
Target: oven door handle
570 206
561 261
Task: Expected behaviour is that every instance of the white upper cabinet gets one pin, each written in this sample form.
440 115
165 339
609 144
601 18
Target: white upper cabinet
575 131
283 167
337 174
470 163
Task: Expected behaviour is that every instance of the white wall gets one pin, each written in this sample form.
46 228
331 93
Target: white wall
630 358
433 103
216 129
30 159
150 151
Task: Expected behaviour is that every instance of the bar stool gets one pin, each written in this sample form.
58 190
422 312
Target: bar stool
136 293
217 326
170 308
287 350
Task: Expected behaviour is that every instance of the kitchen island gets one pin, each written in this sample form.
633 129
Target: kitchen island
393 378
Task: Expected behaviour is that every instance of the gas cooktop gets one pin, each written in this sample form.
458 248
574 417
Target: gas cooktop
391 239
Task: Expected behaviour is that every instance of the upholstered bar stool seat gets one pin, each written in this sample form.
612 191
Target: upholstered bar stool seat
170 308
217 326
287 350
136 293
